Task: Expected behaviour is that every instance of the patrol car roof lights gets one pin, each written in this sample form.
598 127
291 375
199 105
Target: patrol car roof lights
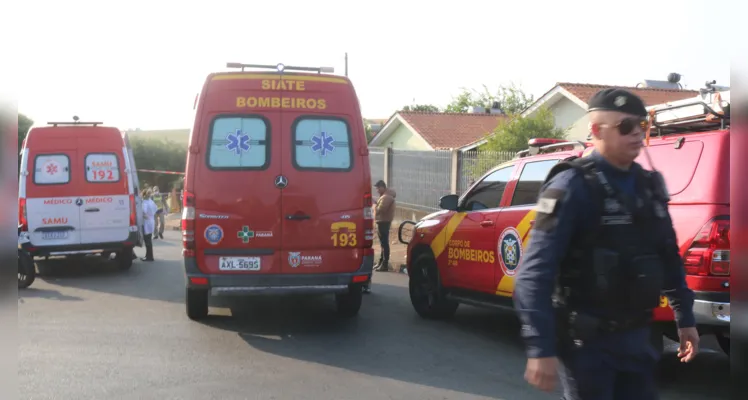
76 121
280 67
545 145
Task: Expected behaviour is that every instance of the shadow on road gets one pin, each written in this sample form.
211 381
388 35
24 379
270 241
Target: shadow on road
45 294
162 280
478 352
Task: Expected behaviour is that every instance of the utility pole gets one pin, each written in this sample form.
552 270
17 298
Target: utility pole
346 64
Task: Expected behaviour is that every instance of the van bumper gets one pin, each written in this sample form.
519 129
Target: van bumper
88 248
277 284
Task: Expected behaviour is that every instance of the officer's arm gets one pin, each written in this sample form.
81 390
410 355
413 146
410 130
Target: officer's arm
675 287
560 208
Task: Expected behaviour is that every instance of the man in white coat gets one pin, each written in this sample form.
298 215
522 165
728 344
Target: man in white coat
149 215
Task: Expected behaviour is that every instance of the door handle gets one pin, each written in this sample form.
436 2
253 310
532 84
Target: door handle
486 223
297 217
92 210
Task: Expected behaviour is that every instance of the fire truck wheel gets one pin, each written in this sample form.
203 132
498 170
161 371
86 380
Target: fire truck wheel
426 292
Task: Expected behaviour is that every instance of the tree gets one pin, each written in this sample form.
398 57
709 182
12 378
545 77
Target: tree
512 99
159 155
24 124
513 133
421 108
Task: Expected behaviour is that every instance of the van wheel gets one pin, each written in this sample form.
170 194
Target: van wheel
124 259
724 343
196 303
426 291
348 304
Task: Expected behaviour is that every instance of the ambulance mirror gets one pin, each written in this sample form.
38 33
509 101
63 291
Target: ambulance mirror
449 202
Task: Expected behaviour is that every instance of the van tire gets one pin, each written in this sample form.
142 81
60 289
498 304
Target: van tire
196 303
426 292
124 259
348 304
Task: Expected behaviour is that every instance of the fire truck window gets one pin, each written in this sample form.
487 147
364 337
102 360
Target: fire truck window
530 181
488 192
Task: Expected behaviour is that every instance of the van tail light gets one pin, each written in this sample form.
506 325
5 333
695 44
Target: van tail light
133 210
22 220
368 221
188 224
709 253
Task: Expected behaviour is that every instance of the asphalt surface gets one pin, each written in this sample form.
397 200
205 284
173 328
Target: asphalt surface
89 331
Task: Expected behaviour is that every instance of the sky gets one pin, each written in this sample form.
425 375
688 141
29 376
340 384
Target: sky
140 64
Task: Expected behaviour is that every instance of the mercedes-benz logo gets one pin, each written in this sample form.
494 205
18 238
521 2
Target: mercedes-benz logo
281 181
79 202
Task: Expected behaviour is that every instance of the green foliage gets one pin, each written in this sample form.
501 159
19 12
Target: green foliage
421 108
513 133
160 155
512 99
24 124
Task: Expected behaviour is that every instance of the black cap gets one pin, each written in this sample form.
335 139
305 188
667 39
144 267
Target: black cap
380 183
617 100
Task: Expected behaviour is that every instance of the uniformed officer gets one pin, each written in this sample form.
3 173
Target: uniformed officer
602 250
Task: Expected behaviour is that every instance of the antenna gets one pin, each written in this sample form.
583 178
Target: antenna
346 63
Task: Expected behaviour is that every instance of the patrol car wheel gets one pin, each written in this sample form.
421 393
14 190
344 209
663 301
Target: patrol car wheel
196 303
124 260
348 304
426 292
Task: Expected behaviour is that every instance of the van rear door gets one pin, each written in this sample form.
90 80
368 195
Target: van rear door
323 201
237 205
51 208
105 203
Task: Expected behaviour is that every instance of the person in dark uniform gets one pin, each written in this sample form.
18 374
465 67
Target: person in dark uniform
602 250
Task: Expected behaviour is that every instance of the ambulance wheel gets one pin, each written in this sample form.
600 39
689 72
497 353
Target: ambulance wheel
348 304
196 303
124 259
426 292
26 270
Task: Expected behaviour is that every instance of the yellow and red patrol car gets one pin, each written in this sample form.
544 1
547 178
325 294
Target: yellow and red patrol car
469 251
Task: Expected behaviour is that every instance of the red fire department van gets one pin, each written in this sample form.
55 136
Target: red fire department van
277 188
469 252
77 192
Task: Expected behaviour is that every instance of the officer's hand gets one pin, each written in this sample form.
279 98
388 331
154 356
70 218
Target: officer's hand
541 372
689 344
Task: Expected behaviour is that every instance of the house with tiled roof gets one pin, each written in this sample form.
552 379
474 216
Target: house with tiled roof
417 130
568 103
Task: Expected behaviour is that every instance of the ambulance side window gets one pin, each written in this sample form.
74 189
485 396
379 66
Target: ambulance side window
487 193
102 168
322 144
51 169
238 143
530 181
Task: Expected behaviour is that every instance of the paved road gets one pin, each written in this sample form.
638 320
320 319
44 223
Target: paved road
91 332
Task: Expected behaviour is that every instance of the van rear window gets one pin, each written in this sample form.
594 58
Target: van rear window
102 168
322 144
51 169
238 143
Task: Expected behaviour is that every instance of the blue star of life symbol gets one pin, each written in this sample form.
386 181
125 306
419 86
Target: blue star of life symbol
322 144
238 142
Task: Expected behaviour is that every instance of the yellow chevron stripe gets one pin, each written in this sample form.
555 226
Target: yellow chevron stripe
506 284
442 238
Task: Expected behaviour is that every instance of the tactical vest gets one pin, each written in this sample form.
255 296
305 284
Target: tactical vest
615 268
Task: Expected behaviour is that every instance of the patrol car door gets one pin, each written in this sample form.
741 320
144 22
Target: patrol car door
471 251
516 220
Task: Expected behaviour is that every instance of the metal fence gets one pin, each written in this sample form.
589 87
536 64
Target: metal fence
420 178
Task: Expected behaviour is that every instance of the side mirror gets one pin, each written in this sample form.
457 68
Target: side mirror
449 202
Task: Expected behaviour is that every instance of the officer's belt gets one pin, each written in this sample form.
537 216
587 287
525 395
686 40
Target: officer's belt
605 325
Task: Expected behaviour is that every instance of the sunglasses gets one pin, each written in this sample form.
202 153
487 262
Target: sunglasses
628 125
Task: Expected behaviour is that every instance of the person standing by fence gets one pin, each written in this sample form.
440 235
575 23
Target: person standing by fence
384 213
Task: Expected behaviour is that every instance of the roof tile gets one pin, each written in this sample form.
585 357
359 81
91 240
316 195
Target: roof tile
650 96
451 130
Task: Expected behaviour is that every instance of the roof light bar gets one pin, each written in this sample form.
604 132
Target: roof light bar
538 146
281 67
76 121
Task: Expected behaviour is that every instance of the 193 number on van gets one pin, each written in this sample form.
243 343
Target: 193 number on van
344 239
